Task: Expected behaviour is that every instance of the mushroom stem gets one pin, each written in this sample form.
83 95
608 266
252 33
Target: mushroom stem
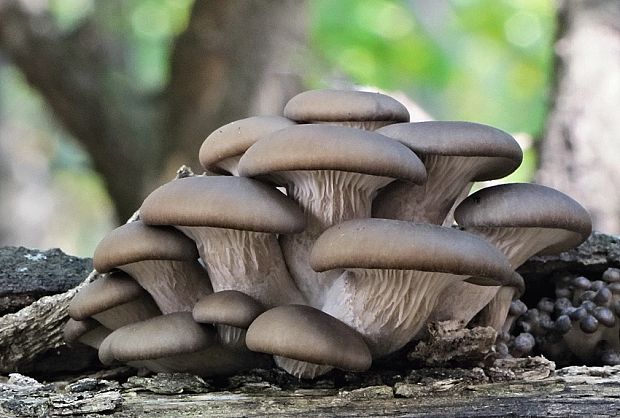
327 198
250 262
387 307
93 338
449 179
495 312
463 301
174 285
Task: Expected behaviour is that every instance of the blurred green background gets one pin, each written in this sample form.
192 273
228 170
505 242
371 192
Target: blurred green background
478 60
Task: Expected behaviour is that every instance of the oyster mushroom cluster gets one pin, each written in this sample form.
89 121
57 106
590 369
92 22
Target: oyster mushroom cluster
325 241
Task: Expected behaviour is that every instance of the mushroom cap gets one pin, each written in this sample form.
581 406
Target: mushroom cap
307 334
104 293
525 205
400 245
344 105
73 329
467 139
228 307
135 241
161 336
326 147
234 138
222 202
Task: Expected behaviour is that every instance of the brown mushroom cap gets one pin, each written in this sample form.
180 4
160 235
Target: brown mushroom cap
524 205
136 241
467 139
105 293
228 307
340 105
326 147
161 336
401 245
307 334
223 202
234 138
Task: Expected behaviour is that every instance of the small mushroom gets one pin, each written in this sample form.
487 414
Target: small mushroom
395 272
234 222
307 342
114 300
356 109
333 173
231 312
88 332
161 259
223 148
455 155
174 343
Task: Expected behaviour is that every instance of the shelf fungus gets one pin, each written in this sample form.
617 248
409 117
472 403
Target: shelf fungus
323 238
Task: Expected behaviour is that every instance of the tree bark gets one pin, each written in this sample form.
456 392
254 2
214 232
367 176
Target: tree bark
581 149
223 67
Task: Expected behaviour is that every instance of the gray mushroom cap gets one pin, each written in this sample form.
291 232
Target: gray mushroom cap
401 245
307 334
233 139
161 336
105 293
222 202
324 147
228 307
73 329
452 138
524 205
343 106
135 241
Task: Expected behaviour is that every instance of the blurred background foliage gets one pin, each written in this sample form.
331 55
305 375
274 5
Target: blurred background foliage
479 60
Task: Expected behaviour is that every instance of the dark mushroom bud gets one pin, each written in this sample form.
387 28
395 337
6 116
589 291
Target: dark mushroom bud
597 285
161 259
114 300
611 275
524 343
604 316
563 324
578 314
223 148
561 305
546 305
234 222
603 297
517 308
357 109
333 173
455 155
582 283
315 341
589 324
231 312
395 272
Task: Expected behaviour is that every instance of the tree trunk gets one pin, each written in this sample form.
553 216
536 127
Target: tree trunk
580 153
235 58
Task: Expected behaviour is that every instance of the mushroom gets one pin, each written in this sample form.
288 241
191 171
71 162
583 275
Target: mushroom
231 312
161 259
495 313
174 343
307 342
395 272
223 148
114 300
357 109
522 220
234 222
455 155
333 173
88 332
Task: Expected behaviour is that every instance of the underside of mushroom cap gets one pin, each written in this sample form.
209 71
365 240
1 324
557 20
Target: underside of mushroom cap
234 138
324 147
307 334
344 105
135 241
222 202
467 139
401 245
105 293
524 205
162 336
228 307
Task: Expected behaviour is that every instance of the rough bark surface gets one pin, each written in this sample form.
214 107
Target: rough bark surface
235 58
580 152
